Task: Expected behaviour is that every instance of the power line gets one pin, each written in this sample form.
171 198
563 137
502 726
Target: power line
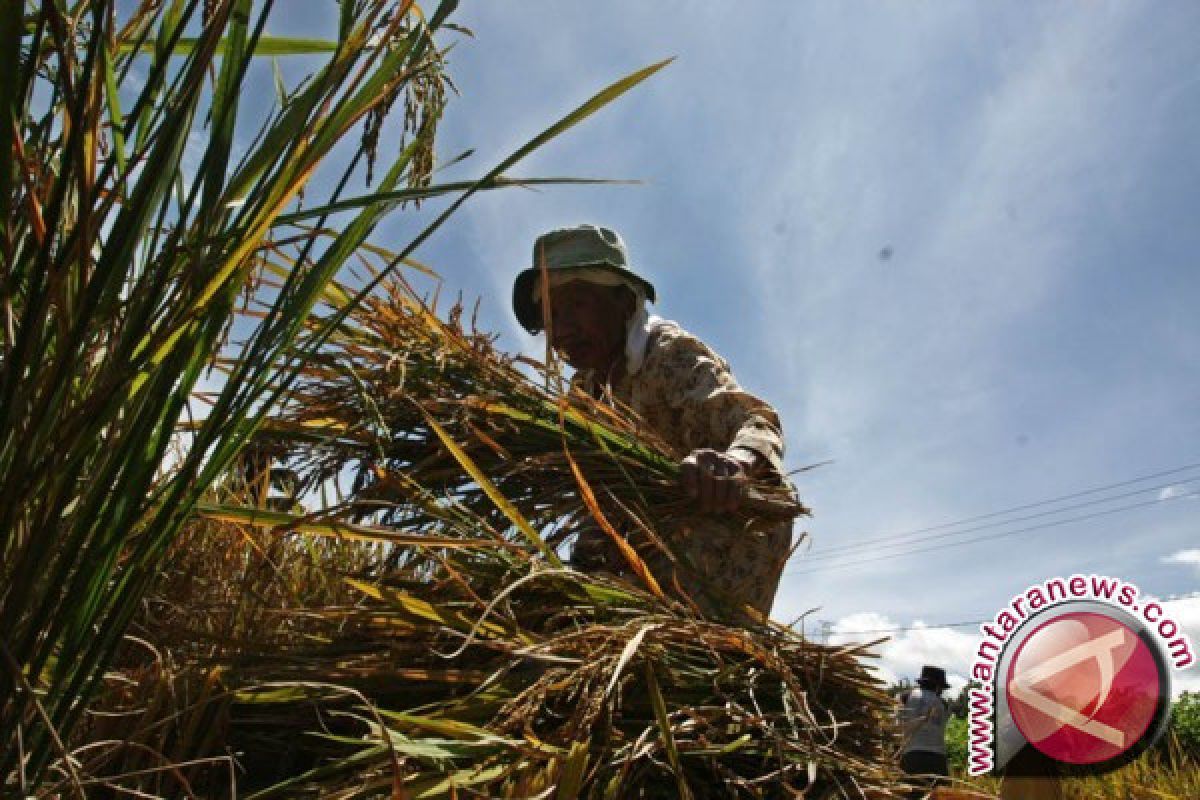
1023 507
838 552
970 624
1001 534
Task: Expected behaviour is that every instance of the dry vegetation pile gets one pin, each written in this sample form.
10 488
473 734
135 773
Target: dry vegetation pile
419 630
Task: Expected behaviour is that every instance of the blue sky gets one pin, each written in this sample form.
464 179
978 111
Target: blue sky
954 244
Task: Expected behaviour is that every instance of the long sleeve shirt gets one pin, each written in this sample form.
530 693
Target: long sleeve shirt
923 720
686 393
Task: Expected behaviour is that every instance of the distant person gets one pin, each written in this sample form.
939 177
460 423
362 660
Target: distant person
723 435
923 715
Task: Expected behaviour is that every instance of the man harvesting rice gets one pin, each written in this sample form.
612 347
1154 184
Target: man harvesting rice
681 388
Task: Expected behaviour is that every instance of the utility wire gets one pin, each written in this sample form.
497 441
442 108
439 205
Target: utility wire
1025 507
838 552
971 624
1001 534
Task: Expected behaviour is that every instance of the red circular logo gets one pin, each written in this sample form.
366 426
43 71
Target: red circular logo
1083 688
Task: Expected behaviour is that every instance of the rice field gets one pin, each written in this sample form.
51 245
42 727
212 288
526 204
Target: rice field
278 524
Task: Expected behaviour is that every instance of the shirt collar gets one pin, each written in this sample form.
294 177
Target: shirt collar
637 337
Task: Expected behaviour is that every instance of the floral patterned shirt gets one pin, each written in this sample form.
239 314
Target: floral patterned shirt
686 393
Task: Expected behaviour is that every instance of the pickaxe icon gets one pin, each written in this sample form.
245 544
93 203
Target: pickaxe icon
1101 649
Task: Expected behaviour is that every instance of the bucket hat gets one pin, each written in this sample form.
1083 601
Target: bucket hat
574 249
935 676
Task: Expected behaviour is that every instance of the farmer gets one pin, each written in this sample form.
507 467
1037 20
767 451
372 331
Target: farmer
685 392
923 715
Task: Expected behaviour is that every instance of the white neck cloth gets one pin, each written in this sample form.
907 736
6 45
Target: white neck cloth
641 325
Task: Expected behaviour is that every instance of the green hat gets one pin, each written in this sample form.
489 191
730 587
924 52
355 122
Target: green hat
567 250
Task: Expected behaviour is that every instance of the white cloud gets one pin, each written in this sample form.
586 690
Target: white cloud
915 644
1186 682
910 648
1171 492
1188 557
1186 612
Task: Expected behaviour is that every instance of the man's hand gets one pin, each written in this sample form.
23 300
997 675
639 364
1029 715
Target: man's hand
717 480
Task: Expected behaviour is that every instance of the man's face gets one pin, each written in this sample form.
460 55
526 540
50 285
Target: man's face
587 323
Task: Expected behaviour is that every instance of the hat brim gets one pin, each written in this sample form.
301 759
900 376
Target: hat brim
529 310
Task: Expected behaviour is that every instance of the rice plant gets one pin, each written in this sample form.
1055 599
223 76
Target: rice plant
137 215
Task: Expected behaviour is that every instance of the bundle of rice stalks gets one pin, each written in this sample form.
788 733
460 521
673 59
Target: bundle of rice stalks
577 683
578 686
443 434
449 652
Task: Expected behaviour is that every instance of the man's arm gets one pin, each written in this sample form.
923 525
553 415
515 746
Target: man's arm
912 714
733 435
751 460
